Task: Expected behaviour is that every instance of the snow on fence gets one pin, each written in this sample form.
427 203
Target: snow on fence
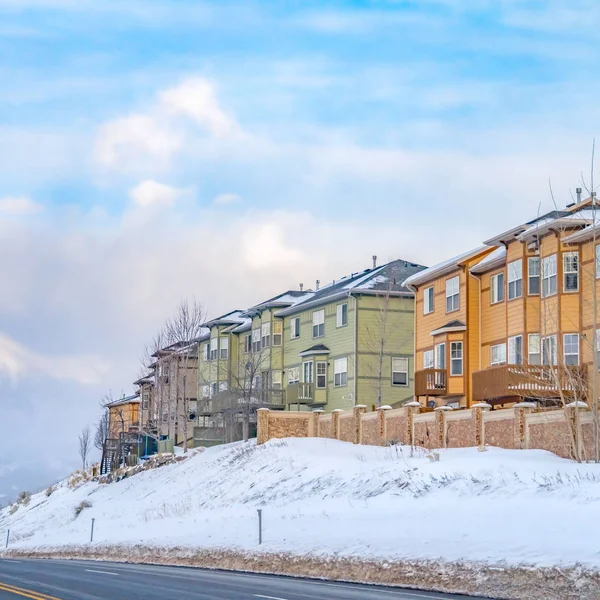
523 426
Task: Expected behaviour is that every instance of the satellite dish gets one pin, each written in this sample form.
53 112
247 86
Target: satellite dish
192 416
431 404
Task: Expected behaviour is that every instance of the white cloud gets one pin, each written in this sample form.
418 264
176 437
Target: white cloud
17 361
224 199
150 193
19 206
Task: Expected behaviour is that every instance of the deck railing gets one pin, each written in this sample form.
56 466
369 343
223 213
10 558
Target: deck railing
431 382
300 393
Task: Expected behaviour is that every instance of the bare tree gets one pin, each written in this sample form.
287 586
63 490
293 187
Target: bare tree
102 430
85 445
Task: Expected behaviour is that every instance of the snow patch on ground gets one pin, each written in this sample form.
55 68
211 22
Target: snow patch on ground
331 498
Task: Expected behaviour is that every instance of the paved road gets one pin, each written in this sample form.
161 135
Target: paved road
81 580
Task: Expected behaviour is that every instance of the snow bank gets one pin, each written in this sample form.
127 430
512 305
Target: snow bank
334 499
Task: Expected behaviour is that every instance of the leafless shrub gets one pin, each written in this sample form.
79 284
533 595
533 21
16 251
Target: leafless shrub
81 507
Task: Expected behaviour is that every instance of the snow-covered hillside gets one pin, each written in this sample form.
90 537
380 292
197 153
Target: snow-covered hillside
329 497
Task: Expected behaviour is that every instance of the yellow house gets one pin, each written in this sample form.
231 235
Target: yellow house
513 320
123 416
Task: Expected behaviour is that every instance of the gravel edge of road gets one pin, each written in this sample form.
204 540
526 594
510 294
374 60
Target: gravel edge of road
498 582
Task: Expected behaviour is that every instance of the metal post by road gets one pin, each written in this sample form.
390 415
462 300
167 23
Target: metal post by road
92 533
259 526
7 538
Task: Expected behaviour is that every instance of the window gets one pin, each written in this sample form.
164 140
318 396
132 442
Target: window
515 350
456 358
340 372
428 359
598 261
515 279
256 340
452 297
321 374
428 300
206 391
400 371
224 348
571 348
497 288
276 380
549 275
498 354
307 372
248 343
266 335
570 271
319 323
342 315
533 275
534 349
293 375
295 328
214 348
214 388
277 333
440 356
549 354
222 386
206 351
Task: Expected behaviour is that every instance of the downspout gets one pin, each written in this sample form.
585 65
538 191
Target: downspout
355 345
470 380
413 289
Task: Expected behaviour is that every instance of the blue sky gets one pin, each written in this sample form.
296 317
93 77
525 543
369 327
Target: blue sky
155 150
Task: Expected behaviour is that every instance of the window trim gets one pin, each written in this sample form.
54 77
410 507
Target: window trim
256 339
493 362
428 303
453 359
452 296
311 371
578 354
293 374
565 256
518 355
318 323
514 281
495 290
545 277
341 315
530 277
277 333
223 341
539 348
555 357
265 331
214 352
400 371
342 382
294 331
319 363
426 353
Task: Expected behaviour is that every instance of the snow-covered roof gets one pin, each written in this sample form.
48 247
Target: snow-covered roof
444 267
493 259
133 399
231 318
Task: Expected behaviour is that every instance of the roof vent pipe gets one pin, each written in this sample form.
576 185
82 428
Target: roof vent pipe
318 284
374 261
301 287
578 190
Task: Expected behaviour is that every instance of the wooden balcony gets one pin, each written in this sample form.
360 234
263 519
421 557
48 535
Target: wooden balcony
529 382
300 393
431 382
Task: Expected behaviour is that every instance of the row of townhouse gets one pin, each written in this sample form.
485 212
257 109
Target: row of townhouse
514 319
346 343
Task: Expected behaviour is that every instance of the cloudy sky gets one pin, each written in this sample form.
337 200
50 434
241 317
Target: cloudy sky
153 150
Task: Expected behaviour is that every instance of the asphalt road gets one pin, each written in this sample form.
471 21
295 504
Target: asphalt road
81 580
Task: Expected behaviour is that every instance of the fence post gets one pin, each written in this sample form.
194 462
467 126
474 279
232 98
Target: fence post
335 415
92 532
413 408
440 421
259 526
316 414
477 413
262 418
7 538
382 424
522 409
359 410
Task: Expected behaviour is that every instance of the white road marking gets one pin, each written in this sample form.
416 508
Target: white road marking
18 562
269 597
103 572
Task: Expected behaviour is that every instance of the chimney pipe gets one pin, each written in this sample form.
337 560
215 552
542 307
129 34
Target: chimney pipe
578 190
301 287
318 284
374 261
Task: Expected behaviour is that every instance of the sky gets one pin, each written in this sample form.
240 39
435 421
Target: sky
154 151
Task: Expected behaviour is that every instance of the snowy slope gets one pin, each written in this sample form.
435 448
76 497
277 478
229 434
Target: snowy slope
330 497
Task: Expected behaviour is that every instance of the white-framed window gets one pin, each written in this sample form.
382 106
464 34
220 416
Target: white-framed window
307 372
276 379
497 288
214 348
549 275
456 358
214 389
498 354
534 349
318 323
549 350
206 352
340 372
341 317
428 359
598 261
439 359
452 294
248 343
570 271
515 279
321 374
571 348
277 333
400 371
206 391
428 300
533 275
256 340
295 328
515 350
223 386
266 335
224 348
293 375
